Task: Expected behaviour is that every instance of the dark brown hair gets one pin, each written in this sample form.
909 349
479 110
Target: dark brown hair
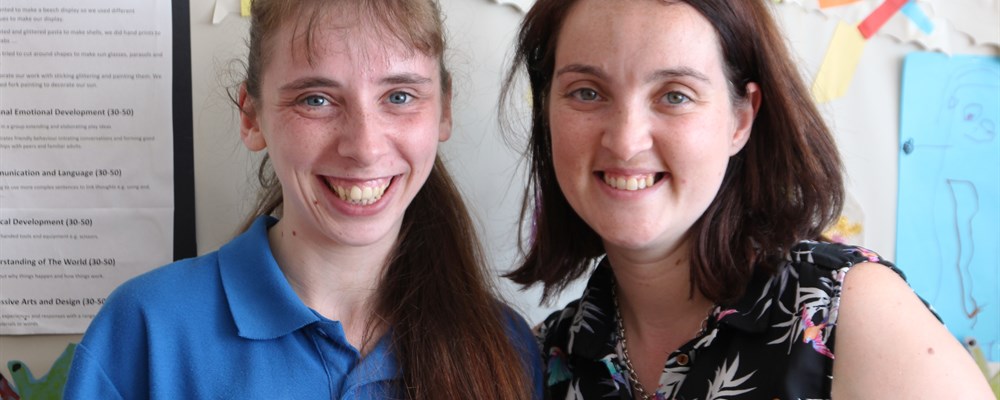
783 186
449 331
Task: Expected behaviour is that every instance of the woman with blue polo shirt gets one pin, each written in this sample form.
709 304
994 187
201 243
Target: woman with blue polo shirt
359 276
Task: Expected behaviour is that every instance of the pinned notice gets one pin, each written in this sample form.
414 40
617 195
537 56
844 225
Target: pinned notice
219 13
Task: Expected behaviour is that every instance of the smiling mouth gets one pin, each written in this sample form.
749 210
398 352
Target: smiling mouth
631 182
363 194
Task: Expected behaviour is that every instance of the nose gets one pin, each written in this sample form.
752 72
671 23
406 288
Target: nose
364 138
628 132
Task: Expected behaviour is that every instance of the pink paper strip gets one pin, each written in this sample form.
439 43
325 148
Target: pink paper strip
874 21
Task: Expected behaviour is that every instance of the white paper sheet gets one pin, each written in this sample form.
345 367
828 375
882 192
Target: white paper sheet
86 155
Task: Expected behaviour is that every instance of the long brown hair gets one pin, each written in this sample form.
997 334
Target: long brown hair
785 185
449 332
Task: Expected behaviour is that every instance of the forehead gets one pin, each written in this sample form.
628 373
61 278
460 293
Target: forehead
637 30
338 32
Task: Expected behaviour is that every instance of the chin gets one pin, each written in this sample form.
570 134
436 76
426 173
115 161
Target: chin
360 238
633 245
628 239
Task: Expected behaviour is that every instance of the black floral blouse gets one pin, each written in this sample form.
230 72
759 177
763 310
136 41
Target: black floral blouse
776 342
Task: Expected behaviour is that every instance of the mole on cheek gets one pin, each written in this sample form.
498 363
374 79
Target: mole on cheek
294 233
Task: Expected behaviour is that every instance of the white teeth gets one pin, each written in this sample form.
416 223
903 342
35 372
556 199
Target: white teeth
630 183
361 195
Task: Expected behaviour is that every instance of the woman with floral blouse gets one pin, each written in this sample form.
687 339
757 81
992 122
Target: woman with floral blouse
674 145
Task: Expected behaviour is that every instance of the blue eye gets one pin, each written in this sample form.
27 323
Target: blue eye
315 101
400 97
676 98
586 94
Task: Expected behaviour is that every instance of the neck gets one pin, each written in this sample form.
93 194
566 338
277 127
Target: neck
659 311
338 282
655 295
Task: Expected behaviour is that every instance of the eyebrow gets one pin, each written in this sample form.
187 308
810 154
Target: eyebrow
405 79
313 82
582 69
309 82
678 72
653 77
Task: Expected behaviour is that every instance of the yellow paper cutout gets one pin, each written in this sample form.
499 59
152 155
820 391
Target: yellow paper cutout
839 63
245 8
834 3
850 227
844 231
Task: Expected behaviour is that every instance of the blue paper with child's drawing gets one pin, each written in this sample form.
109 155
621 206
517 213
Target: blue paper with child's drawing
948 222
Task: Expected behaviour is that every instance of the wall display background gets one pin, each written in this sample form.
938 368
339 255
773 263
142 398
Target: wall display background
865 122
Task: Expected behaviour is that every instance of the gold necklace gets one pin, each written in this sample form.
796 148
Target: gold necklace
633 377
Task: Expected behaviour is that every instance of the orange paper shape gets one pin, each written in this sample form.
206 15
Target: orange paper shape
834 3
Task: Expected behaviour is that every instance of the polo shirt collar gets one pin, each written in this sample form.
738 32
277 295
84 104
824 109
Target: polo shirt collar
263 304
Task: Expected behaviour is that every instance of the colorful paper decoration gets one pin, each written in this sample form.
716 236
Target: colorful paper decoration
839 64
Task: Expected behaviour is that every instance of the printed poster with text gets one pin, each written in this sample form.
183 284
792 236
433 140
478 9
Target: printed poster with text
86 155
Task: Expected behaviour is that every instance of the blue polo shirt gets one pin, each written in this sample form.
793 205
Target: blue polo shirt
227 325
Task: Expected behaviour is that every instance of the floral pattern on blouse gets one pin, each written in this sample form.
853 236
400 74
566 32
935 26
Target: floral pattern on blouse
775 342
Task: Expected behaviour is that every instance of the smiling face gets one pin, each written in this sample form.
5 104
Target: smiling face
642 121
351 124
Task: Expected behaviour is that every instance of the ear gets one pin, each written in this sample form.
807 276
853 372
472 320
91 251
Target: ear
250 131
445 130
745 113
